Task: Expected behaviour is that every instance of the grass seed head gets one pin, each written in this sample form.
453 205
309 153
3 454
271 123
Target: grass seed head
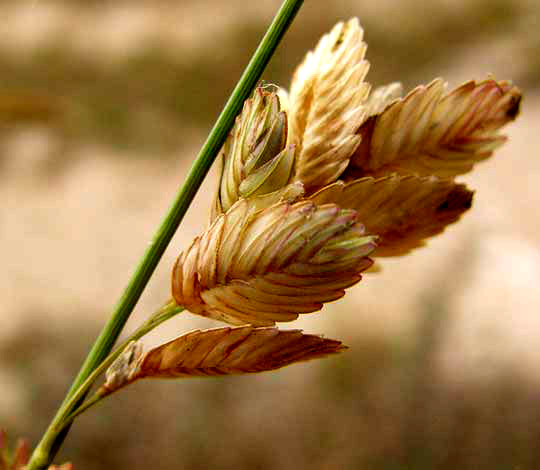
271 265
430 132
232 351
327 104
363 165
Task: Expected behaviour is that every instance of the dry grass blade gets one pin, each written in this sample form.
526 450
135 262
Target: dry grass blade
326 105
432 133
261 267
226 351
402 210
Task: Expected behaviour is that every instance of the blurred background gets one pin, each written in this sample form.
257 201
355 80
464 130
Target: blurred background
103 106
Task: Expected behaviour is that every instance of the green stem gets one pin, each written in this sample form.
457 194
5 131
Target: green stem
169 310
53 437
70 408
88 403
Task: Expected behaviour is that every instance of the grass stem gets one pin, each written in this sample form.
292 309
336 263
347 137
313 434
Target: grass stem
51 441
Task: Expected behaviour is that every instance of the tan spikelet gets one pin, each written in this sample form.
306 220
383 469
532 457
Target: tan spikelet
261 267
381 97
326 105
402 210
224 351
430 132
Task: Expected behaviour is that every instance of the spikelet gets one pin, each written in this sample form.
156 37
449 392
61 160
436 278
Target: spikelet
432 133
402 210
381 97
261 267
255 159
326 105
219 351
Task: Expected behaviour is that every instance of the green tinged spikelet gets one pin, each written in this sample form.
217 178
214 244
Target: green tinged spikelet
259 267
255 159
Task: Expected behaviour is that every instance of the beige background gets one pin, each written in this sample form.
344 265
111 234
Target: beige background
103 106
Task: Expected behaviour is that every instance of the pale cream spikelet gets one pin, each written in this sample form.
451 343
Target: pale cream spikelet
433 132
326 105
402 210
218 351
261 267
381 97
255 158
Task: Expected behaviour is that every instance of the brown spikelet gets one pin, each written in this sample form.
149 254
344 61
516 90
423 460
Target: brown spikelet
402 210
326 105
432 133
225 351
261 267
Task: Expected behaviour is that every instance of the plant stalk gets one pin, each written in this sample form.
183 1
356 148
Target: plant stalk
169 310
51 441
